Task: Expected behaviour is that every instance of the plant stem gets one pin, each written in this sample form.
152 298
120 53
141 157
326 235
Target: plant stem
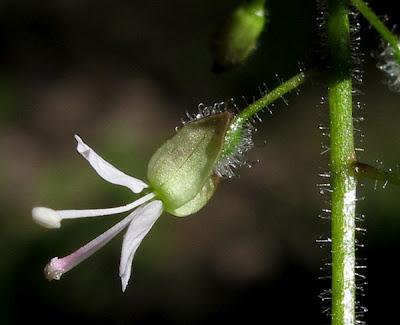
234 133
379 26
343 181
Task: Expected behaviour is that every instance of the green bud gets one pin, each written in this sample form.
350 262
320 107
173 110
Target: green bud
181 170
237 38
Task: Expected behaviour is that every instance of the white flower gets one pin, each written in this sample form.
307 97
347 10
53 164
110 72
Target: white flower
139 222
182 172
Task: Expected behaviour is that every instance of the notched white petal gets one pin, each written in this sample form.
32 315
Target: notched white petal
46 217
106 170
144 218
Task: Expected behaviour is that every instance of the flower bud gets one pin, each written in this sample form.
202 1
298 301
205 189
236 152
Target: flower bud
181 171
237 38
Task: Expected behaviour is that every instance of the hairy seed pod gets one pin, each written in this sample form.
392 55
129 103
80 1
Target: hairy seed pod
181 171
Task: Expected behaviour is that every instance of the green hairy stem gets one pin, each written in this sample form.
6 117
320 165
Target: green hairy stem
342 155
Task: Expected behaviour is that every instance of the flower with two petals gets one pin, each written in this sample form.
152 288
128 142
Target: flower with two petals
181 179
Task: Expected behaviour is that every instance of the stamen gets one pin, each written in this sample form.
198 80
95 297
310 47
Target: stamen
58 266
46 217
50 218
87 213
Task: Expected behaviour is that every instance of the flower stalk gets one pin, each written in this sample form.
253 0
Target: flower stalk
379 26
342 155
233 135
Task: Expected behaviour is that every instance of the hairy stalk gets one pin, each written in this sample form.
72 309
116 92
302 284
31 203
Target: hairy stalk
234 133
379 26
343 180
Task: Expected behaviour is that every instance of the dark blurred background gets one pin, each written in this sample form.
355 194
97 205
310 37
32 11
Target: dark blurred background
122 74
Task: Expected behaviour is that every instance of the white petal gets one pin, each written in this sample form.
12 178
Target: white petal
144 219
108 171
